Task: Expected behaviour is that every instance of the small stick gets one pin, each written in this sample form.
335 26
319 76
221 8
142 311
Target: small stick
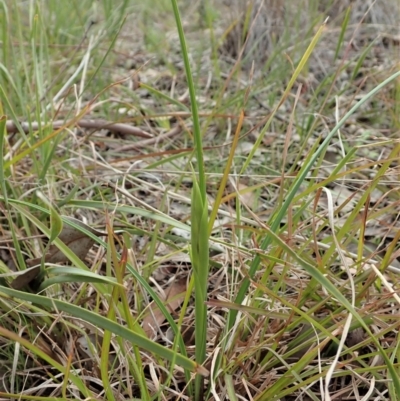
147 142
89 124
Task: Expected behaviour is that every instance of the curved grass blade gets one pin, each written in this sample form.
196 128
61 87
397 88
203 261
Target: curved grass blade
37 351
155 215
65 274
70 221
276 220
317 275
107 324
56 223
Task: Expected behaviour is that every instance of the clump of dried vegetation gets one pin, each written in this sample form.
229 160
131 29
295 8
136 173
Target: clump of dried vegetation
216 221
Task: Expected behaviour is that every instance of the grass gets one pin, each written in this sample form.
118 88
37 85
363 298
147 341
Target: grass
235 237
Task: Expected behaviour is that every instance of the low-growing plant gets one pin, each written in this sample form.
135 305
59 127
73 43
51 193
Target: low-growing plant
180 221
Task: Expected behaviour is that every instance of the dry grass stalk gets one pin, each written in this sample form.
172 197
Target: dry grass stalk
255 26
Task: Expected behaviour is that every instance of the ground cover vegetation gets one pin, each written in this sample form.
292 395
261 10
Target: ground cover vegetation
199 200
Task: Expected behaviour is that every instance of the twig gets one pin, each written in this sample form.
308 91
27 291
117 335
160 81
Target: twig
89 124
146 142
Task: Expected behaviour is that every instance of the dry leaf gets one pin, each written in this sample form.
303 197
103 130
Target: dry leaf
355 337
246 196
188 334
24 279
175 296
93 350
77 242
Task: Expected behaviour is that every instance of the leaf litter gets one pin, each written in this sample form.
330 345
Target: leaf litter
267 332
76 240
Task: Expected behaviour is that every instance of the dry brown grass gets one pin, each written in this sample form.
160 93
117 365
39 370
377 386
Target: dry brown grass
295 324
255 27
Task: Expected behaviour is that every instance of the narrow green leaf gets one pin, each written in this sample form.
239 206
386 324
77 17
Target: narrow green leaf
155 215
193 101
343 31
3 134
164 96
56 223
361 58
275 223
293 79
74 378
325 283
200 263
66 274
107 324
22 207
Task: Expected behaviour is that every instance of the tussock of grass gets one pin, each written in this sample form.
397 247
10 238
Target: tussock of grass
217 221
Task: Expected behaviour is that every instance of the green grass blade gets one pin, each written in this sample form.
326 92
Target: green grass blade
293 79
56 223
154 215
333 290
343 32
193 100
3 134
106 324
295 187
307 167
76 380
